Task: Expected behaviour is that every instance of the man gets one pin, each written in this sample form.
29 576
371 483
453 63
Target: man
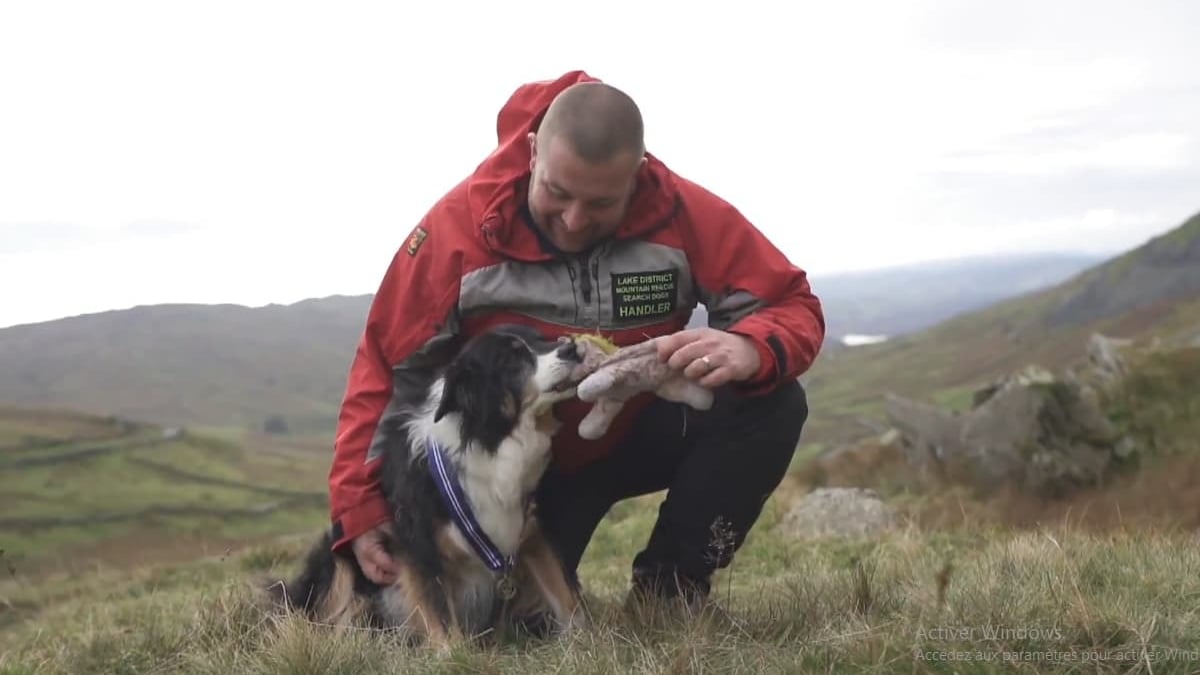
571 226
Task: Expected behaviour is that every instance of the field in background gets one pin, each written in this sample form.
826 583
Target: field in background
79 492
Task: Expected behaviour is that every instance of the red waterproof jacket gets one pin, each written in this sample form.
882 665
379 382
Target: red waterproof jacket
474 261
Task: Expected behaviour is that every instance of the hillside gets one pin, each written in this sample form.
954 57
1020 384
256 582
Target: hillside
905 299
77 490
1153 290
901 300
232 366
220 365
1106 579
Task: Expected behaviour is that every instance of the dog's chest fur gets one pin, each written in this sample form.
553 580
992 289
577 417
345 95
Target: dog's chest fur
497 485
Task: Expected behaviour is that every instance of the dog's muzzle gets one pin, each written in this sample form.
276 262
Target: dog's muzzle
568 350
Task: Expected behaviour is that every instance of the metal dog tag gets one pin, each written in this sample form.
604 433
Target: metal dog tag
506 587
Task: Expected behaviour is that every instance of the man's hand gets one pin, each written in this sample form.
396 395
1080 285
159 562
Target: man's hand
374 560
708 356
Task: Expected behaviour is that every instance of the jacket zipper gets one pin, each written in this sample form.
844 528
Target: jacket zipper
585 280
596 277
572 274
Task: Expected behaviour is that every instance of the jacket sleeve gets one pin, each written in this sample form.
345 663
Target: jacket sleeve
749 287
413 307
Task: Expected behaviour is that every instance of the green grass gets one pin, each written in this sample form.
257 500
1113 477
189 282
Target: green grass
24 427
1017 598
63 504
805 453
1051 598
1055 596
958 399
1159 402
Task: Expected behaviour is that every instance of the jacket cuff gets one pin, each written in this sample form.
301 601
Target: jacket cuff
357 520
767 375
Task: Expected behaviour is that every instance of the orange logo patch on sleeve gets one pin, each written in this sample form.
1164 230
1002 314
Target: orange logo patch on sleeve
416 239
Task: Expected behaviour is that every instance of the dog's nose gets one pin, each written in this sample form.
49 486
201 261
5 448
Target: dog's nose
568 351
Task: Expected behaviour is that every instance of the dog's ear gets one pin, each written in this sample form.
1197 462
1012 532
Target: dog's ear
489 409
470 390
446 405
510 406
456 392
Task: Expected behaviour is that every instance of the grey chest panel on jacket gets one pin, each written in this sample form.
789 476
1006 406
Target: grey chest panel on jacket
618 285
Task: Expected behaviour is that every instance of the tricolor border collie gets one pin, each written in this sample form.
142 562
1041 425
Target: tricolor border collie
459 475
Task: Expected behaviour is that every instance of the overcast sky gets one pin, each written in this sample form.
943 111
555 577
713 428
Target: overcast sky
253 152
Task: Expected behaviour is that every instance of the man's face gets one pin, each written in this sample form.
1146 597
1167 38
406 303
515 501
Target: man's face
574 202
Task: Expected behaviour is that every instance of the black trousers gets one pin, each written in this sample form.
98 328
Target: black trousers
718 467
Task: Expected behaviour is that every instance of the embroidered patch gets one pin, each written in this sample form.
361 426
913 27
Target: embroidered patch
416 239
637 295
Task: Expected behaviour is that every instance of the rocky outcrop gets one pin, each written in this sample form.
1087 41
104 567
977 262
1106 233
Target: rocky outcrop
842 513
1042 433
1104 357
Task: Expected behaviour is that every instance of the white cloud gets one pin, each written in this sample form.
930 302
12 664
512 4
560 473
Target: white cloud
1131 153
1099 230
295 145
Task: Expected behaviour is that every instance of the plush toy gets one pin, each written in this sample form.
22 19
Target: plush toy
615 374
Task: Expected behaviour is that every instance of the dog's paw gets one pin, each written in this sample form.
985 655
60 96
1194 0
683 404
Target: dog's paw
444 645
573 623
577 624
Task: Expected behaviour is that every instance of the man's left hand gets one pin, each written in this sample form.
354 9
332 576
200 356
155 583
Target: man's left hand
708 356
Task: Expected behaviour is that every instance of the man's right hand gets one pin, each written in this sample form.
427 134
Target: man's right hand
374 560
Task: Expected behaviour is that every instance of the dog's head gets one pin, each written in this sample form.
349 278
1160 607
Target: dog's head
503 374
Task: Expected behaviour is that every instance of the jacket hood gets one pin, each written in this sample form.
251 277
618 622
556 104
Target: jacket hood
496 189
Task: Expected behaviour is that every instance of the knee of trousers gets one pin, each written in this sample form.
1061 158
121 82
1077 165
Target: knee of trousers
784 408
789 414
792 399
775 419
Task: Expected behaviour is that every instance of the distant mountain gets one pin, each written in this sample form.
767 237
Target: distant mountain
899 300
1151 290
222 365
228 365
902 300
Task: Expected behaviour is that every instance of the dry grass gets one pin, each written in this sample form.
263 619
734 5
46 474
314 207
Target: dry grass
1049 599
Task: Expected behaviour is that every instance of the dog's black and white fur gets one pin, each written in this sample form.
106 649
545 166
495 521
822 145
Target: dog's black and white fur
490 410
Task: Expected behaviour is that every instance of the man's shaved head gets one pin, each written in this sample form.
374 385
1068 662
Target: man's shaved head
584 161
597 120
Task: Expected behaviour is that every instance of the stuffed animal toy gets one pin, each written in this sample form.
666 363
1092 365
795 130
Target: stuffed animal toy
612 375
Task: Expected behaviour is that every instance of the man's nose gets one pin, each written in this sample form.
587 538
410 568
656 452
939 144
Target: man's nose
574 218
